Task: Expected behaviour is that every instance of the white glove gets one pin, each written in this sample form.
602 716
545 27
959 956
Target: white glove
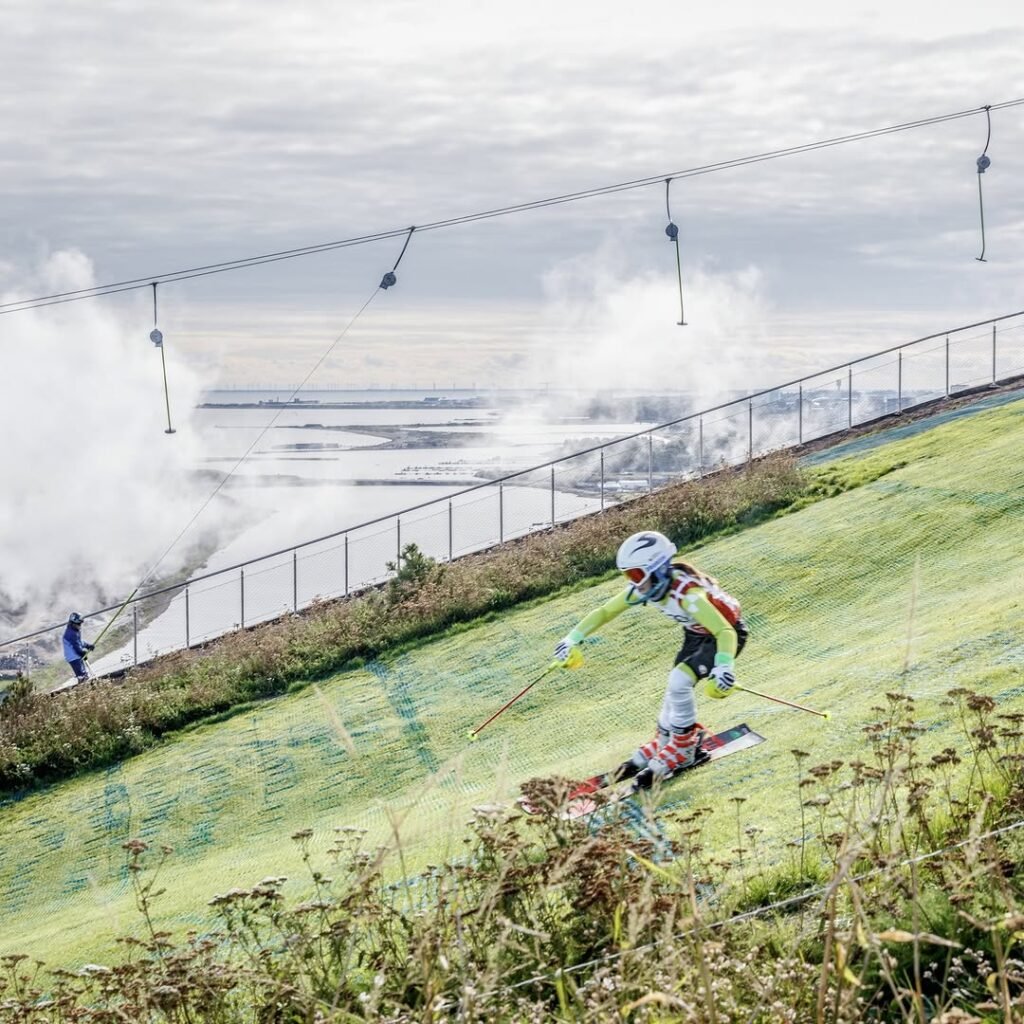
721 681
566 646
564 649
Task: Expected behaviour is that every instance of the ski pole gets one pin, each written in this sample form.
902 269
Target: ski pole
95 642
473 733
779 700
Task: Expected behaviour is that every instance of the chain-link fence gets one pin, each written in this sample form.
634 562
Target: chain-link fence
479 517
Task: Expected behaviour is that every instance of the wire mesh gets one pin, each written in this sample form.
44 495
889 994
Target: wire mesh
726 439
473 520
268 589
428 530
1009 351
876 384
970 360
527 504
578 486
214 607
321 571
774 421
629 468
162 625
826 404
675 453
923 374
370 550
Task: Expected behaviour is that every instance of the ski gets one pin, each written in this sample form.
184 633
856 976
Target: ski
580 799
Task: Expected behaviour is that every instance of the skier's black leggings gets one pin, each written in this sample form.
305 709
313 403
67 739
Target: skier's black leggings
699 650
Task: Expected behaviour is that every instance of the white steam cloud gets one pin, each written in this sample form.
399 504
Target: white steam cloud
94 490
608 330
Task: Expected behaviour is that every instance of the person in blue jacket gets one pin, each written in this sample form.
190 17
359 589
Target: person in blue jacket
76 650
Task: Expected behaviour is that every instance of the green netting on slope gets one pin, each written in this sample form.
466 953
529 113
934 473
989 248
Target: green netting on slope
826 592
870 441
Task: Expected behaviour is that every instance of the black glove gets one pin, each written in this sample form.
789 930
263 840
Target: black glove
89 647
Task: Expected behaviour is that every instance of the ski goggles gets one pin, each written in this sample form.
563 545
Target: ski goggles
636 576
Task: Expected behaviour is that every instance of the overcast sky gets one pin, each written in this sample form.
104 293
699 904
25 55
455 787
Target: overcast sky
150 137
138 139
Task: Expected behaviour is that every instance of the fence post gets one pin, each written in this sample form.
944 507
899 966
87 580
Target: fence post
799 414
135 634
398 542
602 479
188 630
750 431
346 565
899 383
241 578
501 512
849 395
552 494
700 444
295 581
993 355
450 538
947 366
650 462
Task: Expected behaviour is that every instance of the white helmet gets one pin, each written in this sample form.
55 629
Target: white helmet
646 559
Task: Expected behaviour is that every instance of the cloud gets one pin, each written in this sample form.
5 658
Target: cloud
607 329
218 131
94 488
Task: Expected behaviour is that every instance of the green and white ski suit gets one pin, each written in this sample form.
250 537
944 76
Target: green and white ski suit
713 634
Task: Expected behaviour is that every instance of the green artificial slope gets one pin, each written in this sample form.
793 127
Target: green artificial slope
911 581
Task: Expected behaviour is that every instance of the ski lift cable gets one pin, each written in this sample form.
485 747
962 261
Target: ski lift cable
172 276
721 165
15 306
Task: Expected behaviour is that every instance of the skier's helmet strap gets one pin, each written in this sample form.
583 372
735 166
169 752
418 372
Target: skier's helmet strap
645 559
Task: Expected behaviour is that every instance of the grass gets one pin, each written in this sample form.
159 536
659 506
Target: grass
544 919
43 740
827 592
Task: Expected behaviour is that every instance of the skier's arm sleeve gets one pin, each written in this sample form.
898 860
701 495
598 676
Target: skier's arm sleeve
76 643
600 616
708 616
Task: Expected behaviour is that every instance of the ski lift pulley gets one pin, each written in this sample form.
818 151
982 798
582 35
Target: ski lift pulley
984 163
157 337
673 236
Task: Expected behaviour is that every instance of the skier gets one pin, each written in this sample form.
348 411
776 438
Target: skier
76 650
713 635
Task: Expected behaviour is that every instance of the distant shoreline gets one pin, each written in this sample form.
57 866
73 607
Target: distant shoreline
454 403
